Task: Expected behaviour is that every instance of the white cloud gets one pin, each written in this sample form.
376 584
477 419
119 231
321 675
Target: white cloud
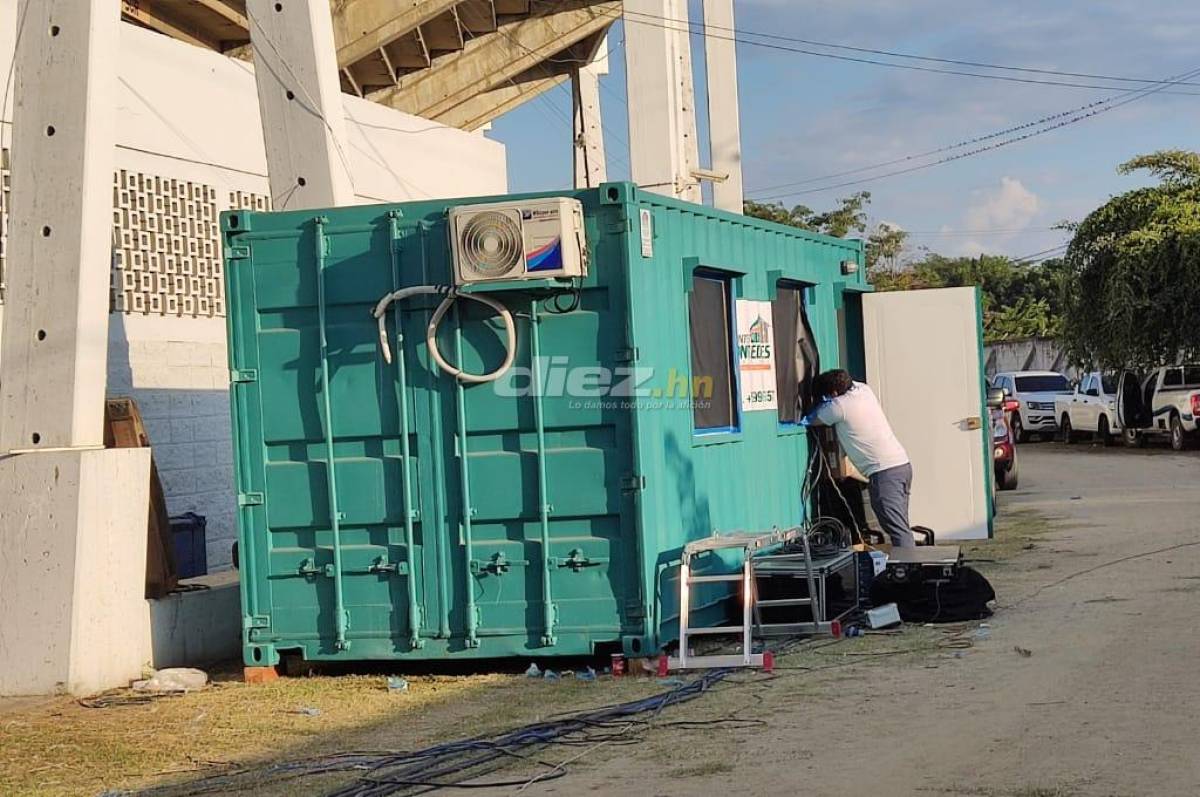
1010 206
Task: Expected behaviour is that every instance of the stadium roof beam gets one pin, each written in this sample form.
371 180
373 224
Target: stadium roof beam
426 57
491 62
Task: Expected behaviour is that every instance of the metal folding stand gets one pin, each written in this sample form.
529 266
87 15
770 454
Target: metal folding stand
750 543
816 573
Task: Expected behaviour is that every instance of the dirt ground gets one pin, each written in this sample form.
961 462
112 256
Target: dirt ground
1103 704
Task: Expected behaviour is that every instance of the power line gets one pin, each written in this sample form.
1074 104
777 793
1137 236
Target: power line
578 62
657 21
1136 95
1045 254
993 231
950 147
895 54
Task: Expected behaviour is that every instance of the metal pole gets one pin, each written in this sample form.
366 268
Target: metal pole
442 538
414 611
548 608
465 480
335 516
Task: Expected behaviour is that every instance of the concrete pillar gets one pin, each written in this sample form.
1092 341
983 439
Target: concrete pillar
300 98
72 515
664 155
590 167
55 339
724 126
73 569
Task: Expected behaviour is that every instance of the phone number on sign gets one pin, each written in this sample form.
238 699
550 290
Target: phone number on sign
760 396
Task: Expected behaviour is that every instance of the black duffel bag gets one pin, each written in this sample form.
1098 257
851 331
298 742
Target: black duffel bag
964 596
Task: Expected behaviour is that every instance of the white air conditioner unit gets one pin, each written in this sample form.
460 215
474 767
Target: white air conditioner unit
506 241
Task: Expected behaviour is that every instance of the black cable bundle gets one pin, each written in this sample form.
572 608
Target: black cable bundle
452 764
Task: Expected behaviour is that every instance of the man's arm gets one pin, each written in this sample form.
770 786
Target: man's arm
827 413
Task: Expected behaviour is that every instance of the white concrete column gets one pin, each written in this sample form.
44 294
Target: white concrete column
73 570
55 339
664 154
724 126
590 167
300 98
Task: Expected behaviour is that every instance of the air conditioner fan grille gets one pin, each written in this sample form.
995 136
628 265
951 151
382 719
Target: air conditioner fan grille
492 245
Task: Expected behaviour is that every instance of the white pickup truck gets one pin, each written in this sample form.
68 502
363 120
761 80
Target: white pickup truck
1166 402
1091 409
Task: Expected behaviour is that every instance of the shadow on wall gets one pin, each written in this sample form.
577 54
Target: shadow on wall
180 382
695 518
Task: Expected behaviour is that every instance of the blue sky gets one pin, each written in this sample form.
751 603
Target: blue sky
805 117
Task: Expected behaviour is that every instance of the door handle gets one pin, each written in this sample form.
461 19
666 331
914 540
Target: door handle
972 423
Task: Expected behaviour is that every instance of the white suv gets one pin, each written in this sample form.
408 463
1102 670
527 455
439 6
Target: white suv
1091 408
1035 392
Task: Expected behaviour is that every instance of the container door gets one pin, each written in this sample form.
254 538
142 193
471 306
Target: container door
924 359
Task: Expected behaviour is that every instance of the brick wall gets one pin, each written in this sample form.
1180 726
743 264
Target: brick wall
176 370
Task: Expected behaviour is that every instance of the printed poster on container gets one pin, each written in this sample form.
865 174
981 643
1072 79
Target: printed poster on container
756 355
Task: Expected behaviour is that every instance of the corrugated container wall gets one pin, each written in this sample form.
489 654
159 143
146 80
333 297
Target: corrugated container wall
496 520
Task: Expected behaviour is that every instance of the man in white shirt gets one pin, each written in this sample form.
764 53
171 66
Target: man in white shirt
868 440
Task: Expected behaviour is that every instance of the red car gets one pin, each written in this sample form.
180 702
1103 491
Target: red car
1004 442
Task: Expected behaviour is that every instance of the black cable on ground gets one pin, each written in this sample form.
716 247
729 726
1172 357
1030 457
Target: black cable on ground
456 764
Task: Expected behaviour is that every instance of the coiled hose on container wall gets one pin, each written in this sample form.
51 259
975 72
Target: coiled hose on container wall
435 321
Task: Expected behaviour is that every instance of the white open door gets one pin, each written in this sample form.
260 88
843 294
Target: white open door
924 359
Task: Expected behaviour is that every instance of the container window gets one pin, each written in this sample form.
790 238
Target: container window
796 358
710 316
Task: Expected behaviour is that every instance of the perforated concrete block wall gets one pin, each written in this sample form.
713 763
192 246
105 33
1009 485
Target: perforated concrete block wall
189 145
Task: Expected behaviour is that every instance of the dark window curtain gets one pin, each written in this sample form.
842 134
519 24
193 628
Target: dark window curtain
796 358
712 353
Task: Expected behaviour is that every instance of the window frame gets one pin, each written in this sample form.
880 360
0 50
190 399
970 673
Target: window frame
804 289
733 432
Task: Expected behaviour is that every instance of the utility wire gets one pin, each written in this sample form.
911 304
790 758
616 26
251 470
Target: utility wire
661 22
704 26
948 148
1137 95
992 231
1045 254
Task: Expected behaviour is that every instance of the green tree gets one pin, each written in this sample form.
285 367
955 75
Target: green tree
849 216
1131 283
1019 301
884 247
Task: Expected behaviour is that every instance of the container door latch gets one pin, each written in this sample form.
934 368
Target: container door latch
577 561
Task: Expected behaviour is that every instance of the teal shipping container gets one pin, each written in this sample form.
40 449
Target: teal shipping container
391 511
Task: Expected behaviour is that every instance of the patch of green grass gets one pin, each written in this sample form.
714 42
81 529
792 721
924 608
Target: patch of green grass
713 766
59 747
1016 531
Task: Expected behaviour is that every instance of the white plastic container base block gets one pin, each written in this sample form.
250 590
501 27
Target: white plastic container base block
883 616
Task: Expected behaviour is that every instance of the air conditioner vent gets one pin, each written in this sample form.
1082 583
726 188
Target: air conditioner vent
520 240
491 246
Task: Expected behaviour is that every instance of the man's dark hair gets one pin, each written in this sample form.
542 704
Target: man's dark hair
832 383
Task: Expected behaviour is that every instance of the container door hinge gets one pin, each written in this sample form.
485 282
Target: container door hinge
309 568
238 375
381 566
633 483
498 564
250 621
576 560
237 252
627 355
250 499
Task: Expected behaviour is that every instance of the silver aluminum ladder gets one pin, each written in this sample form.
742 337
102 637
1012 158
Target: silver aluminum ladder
750 543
